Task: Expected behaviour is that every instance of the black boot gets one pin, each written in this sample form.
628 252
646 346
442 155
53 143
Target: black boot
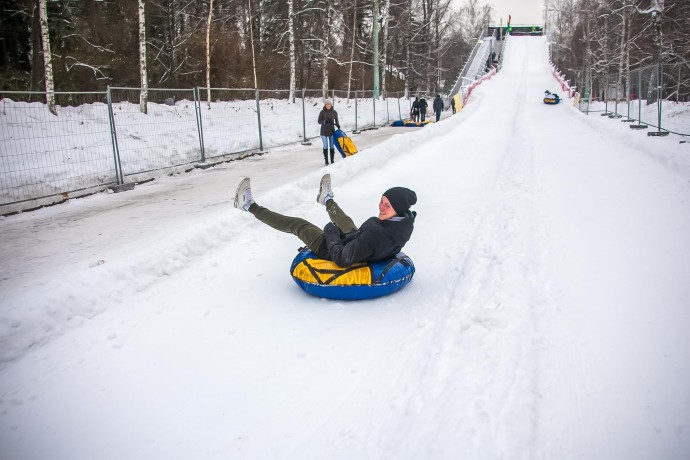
325 156
332 156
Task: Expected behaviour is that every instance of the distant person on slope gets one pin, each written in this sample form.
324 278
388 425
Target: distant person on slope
438 106
340 241
414 113
422 108
328 119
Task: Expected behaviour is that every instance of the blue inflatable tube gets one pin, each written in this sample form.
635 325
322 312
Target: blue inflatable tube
323 278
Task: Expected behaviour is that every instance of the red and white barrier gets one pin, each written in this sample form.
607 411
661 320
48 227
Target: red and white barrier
474 84
570 91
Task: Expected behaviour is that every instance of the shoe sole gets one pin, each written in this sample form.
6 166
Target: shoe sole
241 187
326 179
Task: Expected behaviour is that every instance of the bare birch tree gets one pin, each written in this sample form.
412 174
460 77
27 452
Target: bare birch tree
144 94
352 49
251 41
325 48
208 53
385 17
47 57
293 59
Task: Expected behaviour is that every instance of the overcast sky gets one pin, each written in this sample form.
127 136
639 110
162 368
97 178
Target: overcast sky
522 11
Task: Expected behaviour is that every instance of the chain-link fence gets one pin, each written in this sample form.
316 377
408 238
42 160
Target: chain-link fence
98 140
166 136
646 97
44 155
228 121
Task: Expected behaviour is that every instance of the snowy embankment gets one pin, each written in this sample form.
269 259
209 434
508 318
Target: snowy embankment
675 116
90 290
547 317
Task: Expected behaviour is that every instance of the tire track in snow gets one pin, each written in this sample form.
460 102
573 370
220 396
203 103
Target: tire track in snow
481 353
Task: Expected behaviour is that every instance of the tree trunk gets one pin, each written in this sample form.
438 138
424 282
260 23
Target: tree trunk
251 40
384 54
352 49
325 53
208 53
36 56
47 57
621 61
291 27
144 94
437 45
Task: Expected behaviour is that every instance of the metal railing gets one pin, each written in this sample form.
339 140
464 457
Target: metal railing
463 73
643 96
99 140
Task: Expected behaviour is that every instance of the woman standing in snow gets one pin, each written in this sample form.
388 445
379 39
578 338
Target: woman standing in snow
328 119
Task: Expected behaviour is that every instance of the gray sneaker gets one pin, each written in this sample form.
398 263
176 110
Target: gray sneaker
243 196
325 190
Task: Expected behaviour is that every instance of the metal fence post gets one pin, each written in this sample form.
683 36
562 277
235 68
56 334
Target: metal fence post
113 138
627 94
397 96
355 131
199 127
640 125
304 120
659 100
373 100
388 110
639 95
605 95
659 94
258 119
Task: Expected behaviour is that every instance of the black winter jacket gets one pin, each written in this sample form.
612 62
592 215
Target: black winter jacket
438 104
375 240
328 119
423 105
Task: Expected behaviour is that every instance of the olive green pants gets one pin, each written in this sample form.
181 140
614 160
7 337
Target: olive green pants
311 235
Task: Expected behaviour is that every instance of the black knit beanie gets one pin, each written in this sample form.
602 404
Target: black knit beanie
401 198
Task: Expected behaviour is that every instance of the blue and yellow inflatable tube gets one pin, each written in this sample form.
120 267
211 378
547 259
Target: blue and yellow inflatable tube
344 144
552 100
323 278
410 123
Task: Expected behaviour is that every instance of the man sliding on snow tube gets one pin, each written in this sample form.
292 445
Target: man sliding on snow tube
340 241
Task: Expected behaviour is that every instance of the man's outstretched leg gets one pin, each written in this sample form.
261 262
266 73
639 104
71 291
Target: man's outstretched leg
310 234
338 217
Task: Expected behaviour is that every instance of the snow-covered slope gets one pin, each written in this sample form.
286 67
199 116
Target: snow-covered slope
547 318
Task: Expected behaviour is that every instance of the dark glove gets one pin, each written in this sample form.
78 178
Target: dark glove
331 229
332 233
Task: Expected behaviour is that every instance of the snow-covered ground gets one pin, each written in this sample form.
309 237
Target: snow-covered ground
547 319
675 116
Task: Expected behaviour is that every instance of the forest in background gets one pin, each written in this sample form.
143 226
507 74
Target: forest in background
591 39
95 43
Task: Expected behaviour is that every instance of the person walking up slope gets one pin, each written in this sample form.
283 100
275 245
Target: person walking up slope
422 109
438 106
328 119
414 113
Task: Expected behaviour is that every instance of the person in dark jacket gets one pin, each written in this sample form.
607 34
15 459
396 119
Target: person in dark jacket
378 238
452 104
414 113
328 119
422 108
438 106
